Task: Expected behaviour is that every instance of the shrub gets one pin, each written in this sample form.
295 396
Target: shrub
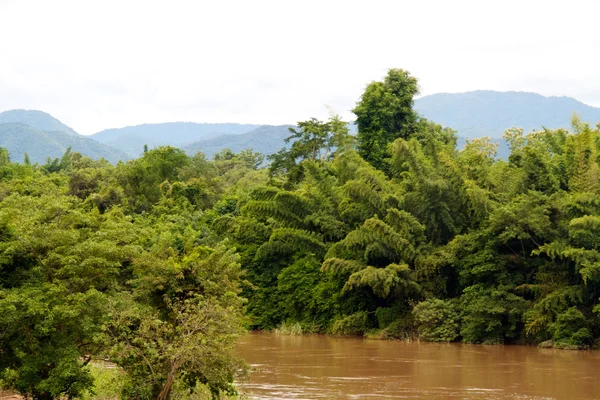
570 331
355 324
436 320
490 316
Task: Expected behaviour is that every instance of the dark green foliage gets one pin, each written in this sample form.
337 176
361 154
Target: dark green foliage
491 315
571 330
384 113
504 248
313 140
306 295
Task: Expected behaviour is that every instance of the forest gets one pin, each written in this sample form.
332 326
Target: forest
159 264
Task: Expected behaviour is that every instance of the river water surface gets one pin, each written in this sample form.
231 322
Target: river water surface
322 367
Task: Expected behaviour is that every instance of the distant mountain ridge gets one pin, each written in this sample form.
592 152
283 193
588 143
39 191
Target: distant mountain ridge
20 138
489 113
36 119
471 114
266 139
131 139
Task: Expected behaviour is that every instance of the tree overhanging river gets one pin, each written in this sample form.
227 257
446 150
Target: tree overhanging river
324 367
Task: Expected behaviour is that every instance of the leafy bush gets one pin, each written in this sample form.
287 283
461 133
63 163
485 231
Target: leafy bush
437 320
490 316
571 330
355 324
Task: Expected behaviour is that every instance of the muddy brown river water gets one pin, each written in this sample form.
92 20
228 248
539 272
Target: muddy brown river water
322 367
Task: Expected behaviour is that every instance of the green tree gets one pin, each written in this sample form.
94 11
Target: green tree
314 140
385 113
181 322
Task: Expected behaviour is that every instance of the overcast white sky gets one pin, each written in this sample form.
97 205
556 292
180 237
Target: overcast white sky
102 64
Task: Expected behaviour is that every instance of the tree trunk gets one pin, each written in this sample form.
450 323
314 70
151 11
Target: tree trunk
165 392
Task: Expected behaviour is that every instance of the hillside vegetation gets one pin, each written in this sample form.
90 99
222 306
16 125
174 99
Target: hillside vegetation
158 264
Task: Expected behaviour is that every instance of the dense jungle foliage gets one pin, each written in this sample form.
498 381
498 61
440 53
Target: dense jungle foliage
394 233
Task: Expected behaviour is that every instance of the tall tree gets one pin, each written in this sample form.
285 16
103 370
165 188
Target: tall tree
385 113
313 140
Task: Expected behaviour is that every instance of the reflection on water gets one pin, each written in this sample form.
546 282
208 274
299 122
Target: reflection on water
322 367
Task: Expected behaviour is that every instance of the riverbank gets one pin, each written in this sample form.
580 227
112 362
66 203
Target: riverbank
108 383
10 396
295 329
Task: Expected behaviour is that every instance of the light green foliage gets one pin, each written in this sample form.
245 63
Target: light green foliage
57 266
4 157
383 280
141 178
290 328
355 324
76 260
108 382
437 320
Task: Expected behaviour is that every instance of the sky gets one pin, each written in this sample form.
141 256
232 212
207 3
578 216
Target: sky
104 64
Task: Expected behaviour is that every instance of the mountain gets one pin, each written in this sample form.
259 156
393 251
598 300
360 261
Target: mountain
132 139
40 135
266 139
472 114
490 113
36 119
20 138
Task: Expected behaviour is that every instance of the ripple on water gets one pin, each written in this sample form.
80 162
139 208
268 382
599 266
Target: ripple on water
321 368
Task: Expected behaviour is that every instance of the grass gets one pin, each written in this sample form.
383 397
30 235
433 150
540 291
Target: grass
289 328
296 328
108 381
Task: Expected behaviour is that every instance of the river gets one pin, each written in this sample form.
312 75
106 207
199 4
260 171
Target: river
323 367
